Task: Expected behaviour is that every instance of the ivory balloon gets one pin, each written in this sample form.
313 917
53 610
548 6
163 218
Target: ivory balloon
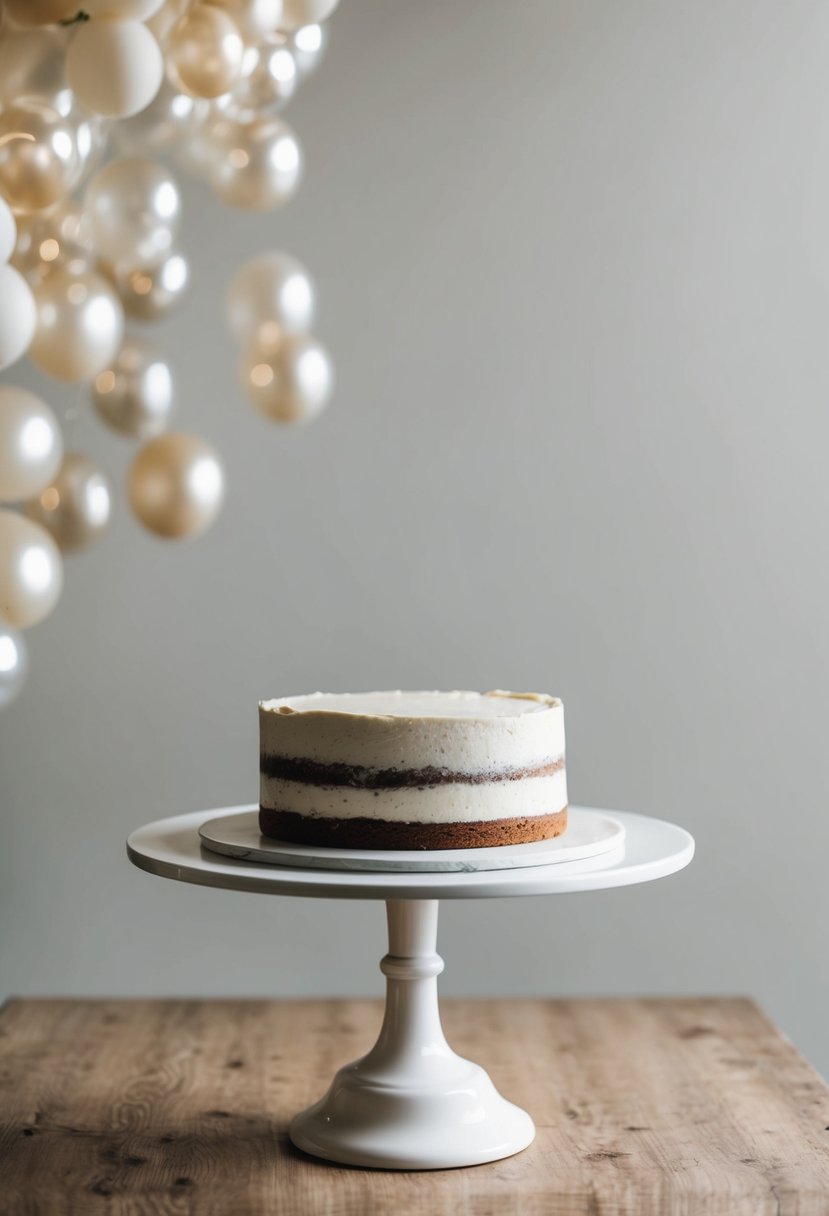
40 12
14 664
289 379
80 323
122 10
39 160
205 52
75 508
296 13
308 44
176 485
253 18
149 295
114 67
31 571
164 18
254 165
134 205
272 81
61 237
18 315
31 445
32 64
8 231
271 288
135 395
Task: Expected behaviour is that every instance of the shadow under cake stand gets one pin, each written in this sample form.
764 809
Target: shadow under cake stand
412 1103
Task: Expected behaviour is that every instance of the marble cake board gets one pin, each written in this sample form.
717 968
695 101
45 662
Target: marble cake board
234 832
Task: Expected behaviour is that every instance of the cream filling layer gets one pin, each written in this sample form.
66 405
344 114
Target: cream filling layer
452 803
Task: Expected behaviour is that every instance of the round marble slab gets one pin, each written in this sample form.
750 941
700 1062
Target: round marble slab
234 832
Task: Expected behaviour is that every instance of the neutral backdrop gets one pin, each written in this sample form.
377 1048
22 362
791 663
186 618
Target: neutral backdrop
573 267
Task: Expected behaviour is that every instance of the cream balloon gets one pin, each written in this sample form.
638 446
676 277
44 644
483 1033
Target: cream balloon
176 485
205 52
61 237
14 664
252 18
308 44
32 64
135 207
8 231
271 82
114 67
254 165
75 508
122 10
166 121
31 445
18 315
80 323
135 395
31 571
288 378
149 295
39 160
40 12
164 18
296 13
273 288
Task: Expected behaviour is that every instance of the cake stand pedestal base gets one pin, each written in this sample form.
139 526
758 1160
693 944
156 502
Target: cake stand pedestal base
412 1103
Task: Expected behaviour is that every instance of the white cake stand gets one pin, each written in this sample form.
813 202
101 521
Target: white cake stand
411 1103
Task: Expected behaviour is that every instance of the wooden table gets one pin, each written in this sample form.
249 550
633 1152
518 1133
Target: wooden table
643 1107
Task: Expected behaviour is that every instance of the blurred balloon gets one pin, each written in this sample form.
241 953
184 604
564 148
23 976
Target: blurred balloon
39 160
289 378
204 52
149 295
255 165
166 121
296 13
14 663
40 12
253 18
18 315
273 288
80 322
123 10
135 395
54 240
33 64
272 81
135 207
176 485
31 445
164 18
8 231
308 44
114 67
75 508
31 571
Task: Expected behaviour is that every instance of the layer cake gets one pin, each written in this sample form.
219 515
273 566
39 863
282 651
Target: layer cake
412 770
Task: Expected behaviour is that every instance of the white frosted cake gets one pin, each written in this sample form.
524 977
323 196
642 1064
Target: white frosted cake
412 770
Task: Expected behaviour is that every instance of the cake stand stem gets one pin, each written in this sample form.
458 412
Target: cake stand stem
412 1103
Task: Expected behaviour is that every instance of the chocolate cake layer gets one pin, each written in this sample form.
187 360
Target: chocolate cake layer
365 833
291 768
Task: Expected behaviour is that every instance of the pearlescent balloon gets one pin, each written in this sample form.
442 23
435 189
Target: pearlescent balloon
165 122
31 445
272 81
114 67
252 18
80 323
8 231
289 379
204 52
149 295
308 45
75 508
255 165
33 64
272 289
122 10
176 485
18 316
164 18
51 241
135 395
296 13
39 160
14 664
135 207
40 12
31 571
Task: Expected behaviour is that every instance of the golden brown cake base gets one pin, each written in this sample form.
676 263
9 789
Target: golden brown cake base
365 833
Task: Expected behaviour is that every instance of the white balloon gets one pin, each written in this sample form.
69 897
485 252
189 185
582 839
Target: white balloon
134 205
8 231
14 663
80 323
272 289
114 67
296 13
31 571
122 10
308 45
18 315
31 444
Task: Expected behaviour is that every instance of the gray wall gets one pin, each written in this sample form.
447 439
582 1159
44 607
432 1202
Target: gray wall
573 262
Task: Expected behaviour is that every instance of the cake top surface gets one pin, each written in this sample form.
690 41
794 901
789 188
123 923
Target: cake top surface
397 704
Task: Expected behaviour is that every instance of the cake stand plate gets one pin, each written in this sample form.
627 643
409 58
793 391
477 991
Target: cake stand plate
234 832
411 1103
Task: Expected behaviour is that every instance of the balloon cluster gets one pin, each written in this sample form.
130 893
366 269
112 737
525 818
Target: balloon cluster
97 99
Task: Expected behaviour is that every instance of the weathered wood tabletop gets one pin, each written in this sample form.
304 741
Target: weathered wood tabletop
642 1106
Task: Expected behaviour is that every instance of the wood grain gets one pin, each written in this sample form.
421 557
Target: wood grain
663 1107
